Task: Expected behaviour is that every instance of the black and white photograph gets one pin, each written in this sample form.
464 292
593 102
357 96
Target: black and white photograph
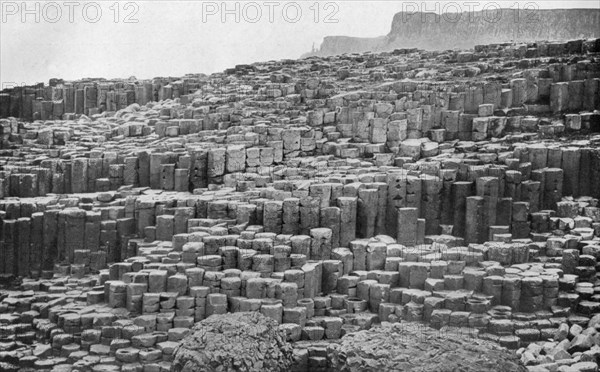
299 186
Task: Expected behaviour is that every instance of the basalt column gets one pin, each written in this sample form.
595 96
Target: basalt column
430 204
553 187
460 191
291 216
571 157
448 177
396 195
330 218
407 226
367 212
488 188
475 230
348 206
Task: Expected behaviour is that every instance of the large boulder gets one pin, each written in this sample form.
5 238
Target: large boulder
414 347
245 341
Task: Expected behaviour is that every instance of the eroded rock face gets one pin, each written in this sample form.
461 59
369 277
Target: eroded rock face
410 347
246 341
429 31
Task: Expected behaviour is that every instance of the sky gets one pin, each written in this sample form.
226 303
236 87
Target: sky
118 39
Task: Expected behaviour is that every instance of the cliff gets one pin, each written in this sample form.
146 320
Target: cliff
465 30
333 45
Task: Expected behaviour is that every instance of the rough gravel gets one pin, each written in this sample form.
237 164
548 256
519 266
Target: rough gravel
410 347
246 341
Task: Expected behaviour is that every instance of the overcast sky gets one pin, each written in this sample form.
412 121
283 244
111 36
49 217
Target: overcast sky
78 39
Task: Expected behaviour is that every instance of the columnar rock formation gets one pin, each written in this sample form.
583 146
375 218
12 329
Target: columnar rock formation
456 189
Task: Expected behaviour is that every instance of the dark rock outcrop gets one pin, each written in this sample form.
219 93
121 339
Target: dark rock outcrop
411 347
234 342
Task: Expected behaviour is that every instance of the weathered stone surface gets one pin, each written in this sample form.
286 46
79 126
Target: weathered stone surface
239 341
410 347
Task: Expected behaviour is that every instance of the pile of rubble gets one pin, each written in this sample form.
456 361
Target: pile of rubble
240 341
402 347
456 189
577 346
